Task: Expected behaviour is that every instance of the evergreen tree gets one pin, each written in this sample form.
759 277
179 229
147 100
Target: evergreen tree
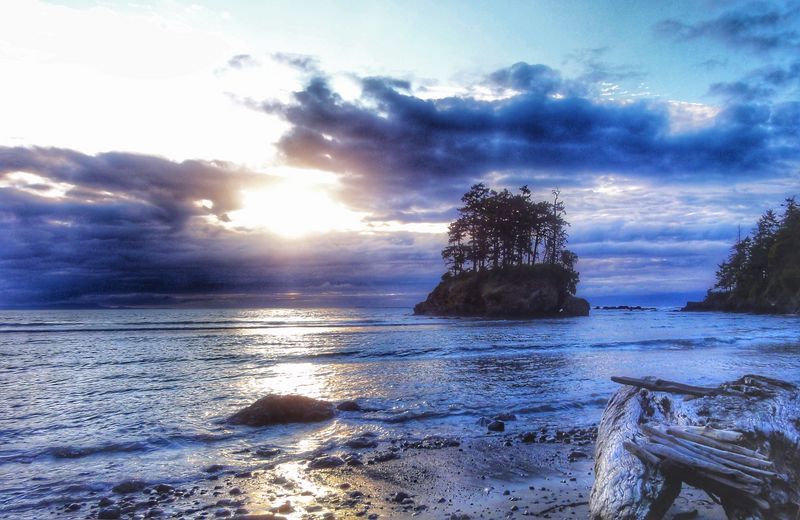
502 229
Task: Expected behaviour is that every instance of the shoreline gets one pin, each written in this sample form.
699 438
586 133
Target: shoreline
541 474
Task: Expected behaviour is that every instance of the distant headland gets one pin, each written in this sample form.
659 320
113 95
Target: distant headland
506 257
762 273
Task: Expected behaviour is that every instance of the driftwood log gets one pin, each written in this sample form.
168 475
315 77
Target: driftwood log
739 442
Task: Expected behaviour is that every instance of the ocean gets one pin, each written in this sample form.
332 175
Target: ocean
92 398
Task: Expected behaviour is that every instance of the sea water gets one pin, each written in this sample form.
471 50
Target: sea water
91 398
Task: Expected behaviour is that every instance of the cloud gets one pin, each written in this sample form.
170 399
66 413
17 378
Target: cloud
761 84
756 27
129 229
395 149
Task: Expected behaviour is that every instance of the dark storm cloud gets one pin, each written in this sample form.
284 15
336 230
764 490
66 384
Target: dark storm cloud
121 226
126 229
757 27
396 150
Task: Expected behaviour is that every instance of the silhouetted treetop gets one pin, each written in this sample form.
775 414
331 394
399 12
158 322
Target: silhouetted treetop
762 272
498 229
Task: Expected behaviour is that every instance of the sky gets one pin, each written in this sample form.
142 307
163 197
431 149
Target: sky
222 153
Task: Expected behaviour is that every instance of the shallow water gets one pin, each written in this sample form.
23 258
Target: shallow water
89 398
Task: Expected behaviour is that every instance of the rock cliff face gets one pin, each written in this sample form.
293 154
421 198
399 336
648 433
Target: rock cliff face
520 292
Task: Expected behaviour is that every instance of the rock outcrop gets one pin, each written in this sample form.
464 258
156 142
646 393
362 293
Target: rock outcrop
729 302
519 292
283 409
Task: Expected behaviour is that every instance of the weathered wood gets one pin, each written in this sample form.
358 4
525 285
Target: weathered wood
662 385
722 450
713 433
740 442
719 445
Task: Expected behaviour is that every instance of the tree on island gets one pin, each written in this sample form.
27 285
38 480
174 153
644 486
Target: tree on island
497 230
506 257
762 272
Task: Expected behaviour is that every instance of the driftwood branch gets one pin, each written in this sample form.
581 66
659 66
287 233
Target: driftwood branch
662 385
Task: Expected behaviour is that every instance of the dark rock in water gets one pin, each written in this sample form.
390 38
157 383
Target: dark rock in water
349 406
105 502
496 426
523 291
283 409
213 468
329 461
129 486
109 513
72 507
267 453
625 308
528 437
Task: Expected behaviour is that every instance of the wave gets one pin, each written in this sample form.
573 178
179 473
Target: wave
210 327
137 446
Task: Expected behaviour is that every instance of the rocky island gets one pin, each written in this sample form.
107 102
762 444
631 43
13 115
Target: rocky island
520 291
762 273
506 257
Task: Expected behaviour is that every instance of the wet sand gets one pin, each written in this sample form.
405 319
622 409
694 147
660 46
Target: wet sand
496 476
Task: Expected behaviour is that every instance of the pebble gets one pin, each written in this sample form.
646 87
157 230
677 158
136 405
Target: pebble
399 497
575 455
163 489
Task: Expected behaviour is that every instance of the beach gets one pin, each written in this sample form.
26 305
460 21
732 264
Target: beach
139 402
499 476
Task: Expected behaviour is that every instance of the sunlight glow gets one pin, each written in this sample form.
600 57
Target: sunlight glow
295 209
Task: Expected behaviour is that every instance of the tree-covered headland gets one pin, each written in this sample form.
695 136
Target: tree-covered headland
762 272
506 256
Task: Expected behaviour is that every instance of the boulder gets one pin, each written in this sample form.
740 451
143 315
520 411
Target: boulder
496 426
283 409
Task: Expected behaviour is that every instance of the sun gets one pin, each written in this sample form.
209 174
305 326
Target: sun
295 209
